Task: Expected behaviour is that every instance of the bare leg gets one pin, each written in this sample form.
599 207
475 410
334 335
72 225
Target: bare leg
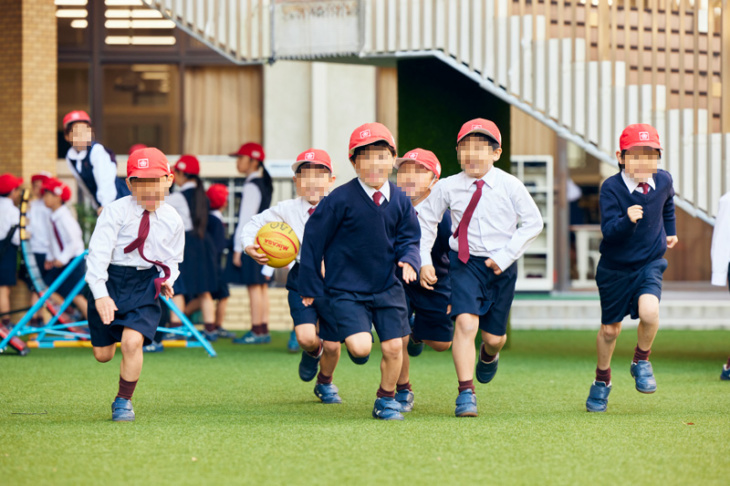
463 351
606 343
390 365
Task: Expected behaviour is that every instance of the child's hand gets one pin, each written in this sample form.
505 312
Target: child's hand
57 264
166 289
250 250
409 275
428 277
48 264
635 213
323 268
495 268
106 307
307 301
98 211
671 241
237 258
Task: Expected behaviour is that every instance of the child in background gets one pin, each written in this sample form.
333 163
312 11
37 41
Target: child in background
720 254
9 240
39 226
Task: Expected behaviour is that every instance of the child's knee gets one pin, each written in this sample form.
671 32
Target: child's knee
439 346
132 343
649 312
492 341
104 355
609 332
467 324
332 348
391 348
307 335
359 346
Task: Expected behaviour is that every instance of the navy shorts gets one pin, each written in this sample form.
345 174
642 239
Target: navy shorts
475 289
9 266
320 311
356 312
78 274
620 289
431 321
133 292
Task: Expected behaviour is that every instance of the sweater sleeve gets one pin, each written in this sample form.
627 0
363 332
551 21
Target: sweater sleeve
670 225
408 238
615 223
318 232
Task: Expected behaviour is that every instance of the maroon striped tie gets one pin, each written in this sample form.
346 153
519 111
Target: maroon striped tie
462 232
138 244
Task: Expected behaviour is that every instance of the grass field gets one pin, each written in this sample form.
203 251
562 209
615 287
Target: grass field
246 418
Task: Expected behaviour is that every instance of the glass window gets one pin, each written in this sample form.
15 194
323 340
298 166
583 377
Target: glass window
73 94
131 23
73 23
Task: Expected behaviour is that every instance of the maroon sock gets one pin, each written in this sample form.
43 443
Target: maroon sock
264 328
466 385
209 327
405 386
323 379
728 363
6 322
316 353
256 328
603 375
484 356
641 355
382 393
126 388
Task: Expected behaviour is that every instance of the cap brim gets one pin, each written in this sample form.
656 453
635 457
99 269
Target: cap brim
296 164
148 174
483 132
381 139
644 144
400 160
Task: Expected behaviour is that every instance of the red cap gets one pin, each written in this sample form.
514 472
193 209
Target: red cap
58 188
76 116
253 150
480 125
424 157
217 195
8 182
188 164
312 156
41 176
147 163
368 134
136 147
639 135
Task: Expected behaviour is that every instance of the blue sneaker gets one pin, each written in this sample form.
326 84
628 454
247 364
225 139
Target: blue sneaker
251 338
308 366
387 408
224 333
414 347
466 404
122 410
328 393
725 375
293 345
211 336
153 347
598 397
486 371
644 376
405 398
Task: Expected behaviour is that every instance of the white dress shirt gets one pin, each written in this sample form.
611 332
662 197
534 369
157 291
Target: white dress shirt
632 184
294 212
250 204
720 250
117 227
9 217
370 191
39 225
69 232
105 173
178 201
493 230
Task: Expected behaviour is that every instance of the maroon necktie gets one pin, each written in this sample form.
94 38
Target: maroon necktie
462 231
58 236
311 210
644 187
138 244
377 197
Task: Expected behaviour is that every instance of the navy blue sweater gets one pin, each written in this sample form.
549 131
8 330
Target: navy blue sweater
628 245
361 243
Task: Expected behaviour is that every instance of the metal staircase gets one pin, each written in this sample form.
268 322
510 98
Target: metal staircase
586 70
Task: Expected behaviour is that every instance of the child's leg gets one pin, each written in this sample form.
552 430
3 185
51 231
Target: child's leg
465 331
4 301
439 346
207 309
179 301
605 344
330 358
104 354
359 344
220 312
390 365
81 304
404 377
132 357
491 345
259 300
307 337
648 325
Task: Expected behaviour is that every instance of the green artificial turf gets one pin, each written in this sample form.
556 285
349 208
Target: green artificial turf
245 417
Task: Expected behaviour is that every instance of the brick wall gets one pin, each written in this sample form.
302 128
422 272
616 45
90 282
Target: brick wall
238 314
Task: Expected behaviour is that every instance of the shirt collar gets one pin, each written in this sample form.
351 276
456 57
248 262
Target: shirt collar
632 183
306 206
75 154
139 210
385 190
490 178
188 185
255 175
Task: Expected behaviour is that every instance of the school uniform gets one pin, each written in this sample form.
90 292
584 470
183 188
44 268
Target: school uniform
361 242
9 218
198 269
429 308
720 250
117 269
491 232
217 232
39 224
296 213
67 243
96 174
256 198
632 262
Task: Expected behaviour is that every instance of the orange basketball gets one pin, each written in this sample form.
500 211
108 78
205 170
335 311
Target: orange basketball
279 242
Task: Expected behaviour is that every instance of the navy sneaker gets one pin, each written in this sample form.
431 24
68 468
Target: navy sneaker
153 347
466 404
414 347
486 371
405 398
386 408
598 397
293 345
328 393
224 333
644 376
252 338
122 410
308 366
725 375
211 336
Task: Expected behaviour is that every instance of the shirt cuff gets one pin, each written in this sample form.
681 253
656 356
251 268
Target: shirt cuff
719 278
268 271
99 290
502 260
426 259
